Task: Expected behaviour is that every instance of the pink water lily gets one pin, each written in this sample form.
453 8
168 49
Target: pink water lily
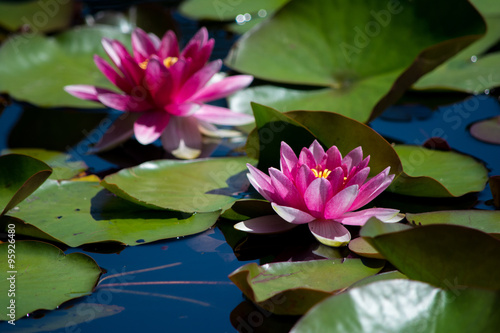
165 90
321 189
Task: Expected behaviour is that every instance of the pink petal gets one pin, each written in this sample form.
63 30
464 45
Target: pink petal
317 151
330 233
262 183
158 81
222 116
304 177
316 196
372 188
120 131
292 215
353 158
112 75
198 80
387 215
223 88
86 92
285 190
142 45
183 109
336 179
194 45
340 202
333 159
169 46
150 126
201 57
182 137
269 224
306 157
107 44
155 40
364 163
358 178
288 161
124 102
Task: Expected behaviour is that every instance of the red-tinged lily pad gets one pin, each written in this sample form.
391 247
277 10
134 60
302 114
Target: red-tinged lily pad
204 185
35 68
38 268
404 306
485 220
20 175
366 61
81 212
363 248
293 287
62 166
494 182
434 173
487 130
447 256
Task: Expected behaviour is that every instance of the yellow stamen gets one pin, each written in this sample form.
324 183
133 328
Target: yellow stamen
170 61
321 174
167 62
144 64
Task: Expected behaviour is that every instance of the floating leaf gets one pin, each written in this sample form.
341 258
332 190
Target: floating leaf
227 10
204 185
41 15
392 275
59 162
37 273
487 130
294 287
300 128
443 255
367 61
77 213
473 70
362 248
433 173
20 175
484 220
35 68
404 306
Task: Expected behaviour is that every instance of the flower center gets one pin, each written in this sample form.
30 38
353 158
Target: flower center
169 61
321 173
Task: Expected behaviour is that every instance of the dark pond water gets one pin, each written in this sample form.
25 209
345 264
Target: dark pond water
201 298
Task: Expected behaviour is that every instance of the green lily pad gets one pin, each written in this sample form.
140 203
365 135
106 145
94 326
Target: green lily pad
472 70
80 212
38 269
293 287
24 229
226 10
363 248
20 175
300 128
41 15
447 256
392 275
59 162
487 130
434 173
404 306
366 61
36 68
204 185
484 220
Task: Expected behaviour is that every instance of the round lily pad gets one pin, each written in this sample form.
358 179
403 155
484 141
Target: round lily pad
43 277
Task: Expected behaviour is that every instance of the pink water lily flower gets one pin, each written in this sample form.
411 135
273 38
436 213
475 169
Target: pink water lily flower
165 90
321 189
